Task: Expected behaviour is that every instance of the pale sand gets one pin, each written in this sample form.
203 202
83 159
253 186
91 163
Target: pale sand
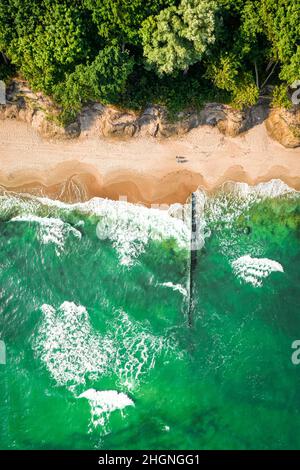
143 170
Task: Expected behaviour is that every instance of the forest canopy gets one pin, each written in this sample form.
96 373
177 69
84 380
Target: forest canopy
178 53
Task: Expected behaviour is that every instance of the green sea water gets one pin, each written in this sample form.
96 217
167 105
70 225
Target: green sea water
94 315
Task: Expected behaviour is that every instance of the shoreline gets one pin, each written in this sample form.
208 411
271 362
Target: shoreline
143 170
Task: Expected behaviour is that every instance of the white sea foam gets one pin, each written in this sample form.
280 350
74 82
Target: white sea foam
270 189
234 199
254 270
73 351
128 226
175 287
68 345
51 230
12 203
103 403
108 400
136 350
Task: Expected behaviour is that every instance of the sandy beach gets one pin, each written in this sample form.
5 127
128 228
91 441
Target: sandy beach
142 170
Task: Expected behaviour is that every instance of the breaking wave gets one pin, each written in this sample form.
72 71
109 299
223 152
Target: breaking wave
233 199
175 287
255 270
103 403
51 230
74 353
69 347
129 227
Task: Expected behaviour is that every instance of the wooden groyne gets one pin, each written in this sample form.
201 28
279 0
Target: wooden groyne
193 259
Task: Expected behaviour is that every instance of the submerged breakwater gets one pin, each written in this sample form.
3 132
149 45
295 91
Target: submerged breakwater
100 349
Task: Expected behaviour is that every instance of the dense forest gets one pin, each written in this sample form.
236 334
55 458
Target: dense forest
178 53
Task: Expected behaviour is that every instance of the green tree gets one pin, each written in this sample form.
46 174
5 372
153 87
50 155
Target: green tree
290 71
18 18
52 44
103 80
227 75
224 73
178 36
279 21
131 51
121 19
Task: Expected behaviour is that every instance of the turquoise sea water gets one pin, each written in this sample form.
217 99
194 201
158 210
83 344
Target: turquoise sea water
99 350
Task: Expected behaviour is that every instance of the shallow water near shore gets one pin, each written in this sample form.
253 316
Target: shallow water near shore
99 350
